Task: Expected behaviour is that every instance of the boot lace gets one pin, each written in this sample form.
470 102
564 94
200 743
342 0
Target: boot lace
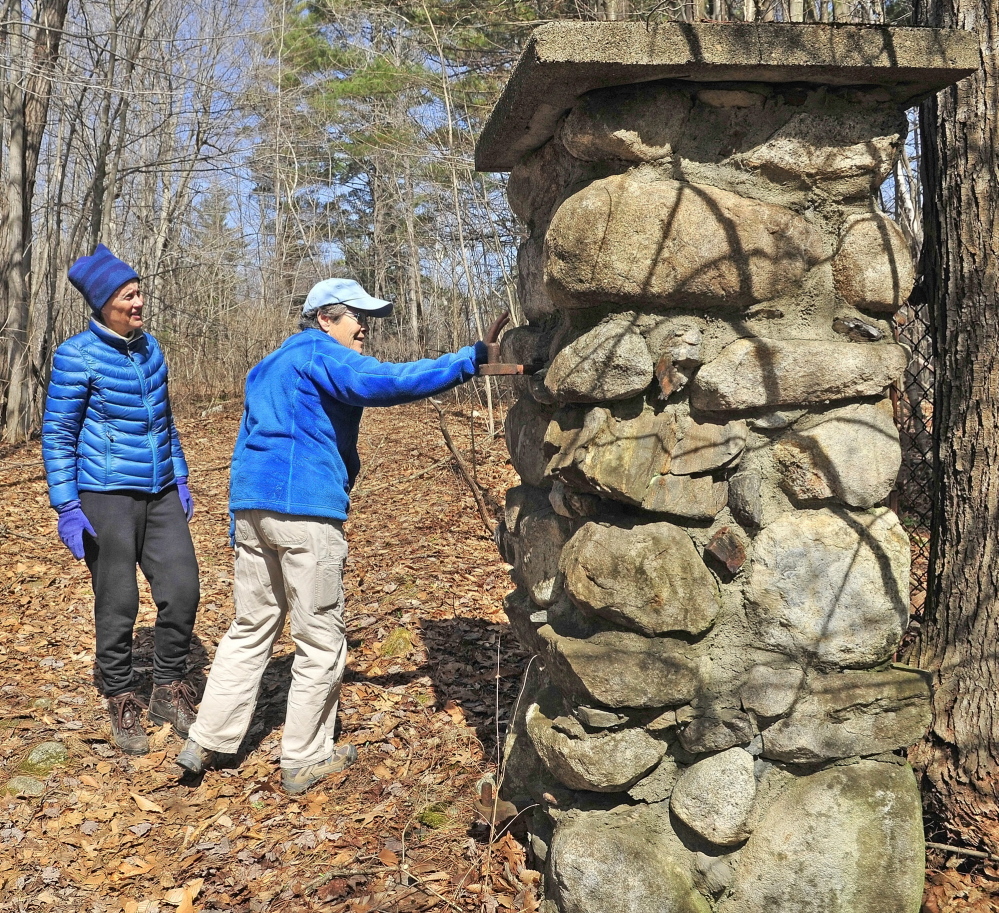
127 709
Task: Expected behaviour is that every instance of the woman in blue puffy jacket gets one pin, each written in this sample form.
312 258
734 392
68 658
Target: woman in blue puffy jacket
117 477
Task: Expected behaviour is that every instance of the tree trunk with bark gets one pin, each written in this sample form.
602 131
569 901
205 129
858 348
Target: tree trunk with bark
25 103
959 760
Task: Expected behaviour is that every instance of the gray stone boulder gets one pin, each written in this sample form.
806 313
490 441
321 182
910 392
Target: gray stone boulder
754 373
658 785
771 693
669 244
648 577
715 796
522 500
525 345
851 453
610 362
854 713
539 547
847 839
622 123
606 762
616 862
44 758
534 299
22 785
537 182
611 452
619 669
524 428
693 497
853 149
717 729
625 453
872 268
831 588
704 446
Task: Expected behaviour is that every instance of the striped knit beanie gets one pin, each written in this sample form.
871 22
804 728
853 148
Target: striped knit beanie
99 276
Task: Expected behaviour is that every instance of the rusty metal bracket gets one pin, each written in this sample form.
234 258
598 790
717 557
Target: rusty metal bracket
494 367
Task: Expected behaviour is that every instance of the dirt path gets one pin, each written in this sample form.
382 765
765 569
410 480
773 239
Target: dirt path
427 635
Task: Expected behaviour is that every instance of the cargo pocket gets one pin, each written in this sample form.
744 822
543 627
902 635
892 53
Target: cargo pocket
244 531
329 585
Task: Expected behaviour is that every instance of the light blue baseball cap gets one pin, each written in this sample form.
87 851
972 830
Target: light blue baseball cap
344 291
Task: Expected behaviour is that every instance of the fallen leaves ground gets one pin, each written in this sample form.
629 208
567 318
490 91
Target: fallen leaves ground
433 673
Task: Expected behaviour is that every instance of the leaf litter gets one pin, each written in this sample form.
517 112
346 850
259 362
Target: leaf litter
432 671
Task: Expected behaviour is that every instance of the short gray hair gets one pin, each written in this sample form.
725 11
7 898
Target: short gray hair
327 310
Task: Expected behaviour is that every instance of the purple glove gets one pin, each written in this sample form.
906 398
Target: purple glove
73 523
186 501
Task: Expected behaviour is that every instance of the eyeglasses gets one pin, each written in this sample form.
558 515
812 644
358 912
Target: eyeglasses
358 318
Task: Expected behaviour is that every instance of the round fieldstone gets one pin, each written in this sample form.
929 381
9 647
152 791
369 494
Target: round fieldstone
24 786
851 453
755 373
831 587
620 669
539 548
671 244
44 758
610 362
648 577
525 427
873 268
715 796
606 762
847 838
613 863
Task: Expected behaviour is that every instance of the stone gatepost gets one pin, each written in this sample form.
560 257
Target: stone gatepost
704 565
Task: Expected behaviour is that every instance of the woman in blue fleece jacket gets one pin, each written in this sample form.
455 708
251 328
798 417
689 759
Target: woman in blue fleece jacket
294 464
118 479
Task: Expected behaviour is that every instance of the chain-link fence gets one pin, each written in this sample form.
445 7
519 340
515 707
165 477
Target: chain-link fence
912 498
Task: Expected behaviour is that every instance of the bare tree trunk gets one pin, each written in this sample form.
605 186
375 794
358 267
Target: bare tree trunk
959 759
25 103
610 10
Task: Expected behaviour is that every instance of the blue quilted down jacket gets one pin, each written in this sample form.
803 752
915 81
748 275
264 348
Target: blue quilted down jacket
108 424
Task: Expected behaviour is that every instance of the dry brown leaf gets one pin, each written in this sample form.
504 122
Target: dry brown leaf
455 712
147 805
388 858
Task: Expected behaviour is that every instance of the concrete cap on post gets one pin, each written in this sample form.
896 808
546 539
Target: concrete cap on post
564 60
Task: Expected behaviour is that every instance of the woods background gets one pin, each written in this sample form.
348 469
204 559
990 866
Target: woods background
236 153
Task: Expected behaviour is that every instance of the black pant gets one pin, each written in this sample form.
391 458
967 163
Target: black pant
151 531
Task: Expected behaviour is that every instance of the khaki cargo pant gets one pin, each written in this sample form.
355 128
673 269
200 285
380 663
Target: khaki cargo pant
285 566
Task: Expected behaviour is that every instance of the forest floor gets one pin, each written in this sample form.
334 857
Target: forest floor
432 674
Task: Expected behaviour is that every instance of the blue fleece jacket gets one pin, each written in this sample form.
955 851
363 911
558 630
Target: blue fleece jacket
296 452
108 424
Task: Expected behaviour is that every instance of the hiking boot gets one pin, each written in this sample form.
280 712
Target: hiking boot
173 704
297 780
194 758
126 723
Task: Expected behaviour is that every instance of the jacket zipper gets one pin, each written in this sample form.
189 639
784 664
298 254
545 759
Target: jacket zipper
149 413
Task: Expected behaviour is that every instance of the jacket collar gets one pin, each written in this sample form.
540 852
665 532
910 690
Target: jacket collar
112 338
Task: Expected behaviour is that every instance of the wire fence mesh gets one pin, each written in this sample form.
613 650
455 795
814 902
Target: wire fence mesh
913 496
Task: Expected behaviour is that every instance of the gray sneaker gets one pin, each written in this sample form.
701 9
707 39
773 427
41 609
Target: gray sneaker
295 780
194 758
